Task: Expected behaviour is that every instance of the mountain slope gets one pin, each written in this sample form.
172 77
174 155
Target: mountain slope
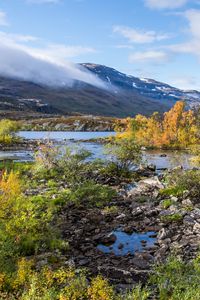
126 96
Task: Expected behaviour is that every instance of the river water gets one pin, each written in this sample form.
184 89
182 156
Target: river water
172 158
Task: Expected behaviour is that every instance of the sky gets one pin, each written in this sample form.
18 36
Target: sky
159 39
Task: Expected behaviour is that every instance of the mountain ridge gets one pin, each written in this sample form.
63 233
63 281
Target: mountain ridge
125 95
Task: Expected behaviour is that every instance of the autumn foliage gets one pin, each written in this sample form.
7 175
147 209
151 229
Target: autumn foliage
177 128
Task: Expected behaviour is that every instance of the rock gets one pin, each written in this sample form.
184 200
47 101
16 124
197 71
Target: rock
121 246
83 262
128 229
174 199
187 202
163 234
108 240
188 220
196 228
151 167
178 168
136 212
142 260
113 272
153 182
173 208
145 186
163 155
143 242
121 216
195 213
161 253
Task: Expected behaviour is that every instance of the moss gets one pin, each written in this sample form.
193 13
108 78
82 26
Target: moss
167 203
172 191
177 217
109 210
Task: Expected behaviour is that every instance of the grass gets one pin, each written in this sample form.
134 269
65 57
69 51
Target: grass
176 217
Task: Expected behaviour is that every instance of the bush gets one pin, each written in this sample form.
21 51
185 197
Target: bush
124 154
100 290
7 131
167 203
177 280
92 194
138 293
69 165
24 222
180 181
172 218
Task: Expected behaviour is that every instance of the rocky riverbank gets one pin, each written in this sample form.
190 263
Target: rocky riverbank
173 223
76 123
21 144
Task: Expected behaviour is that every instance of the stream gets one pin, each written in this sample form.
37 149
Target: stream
162 159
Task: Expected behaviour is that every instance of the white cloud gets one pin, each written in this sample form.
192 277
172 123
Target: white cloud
124 47
151 56
9 37
59 53
193 17
138 36
3 19
192 46
185 82
47 65
165 4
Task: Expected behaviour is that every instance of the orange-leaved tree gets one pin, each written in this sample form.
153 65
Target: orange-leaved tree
176 128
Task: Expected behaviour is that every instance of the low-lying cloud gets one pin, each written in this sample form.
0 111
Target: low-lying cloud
21 61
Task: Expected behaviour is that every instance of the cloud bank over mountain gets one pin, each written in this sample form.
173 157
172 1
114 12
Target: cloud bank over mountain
47 65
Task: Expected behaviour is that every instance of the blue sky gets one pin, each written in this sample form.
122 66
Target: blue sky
158 39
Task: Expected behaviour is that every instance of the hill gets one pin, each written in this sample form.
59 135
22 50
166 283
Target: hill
125 96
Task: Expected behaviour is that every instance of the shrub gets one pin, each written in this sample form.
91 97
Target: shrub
172 191
24 222
176 217
7 131
109 210
100 290
70 165
177 280
138 293
92 194
167 203
181 181
124 154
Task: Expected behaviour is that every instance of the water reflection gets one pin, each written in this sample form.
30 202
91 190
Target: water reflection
129 243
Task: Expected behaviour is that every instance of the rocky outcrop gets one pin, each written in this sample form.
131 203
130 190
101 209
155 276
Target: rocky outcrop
77 123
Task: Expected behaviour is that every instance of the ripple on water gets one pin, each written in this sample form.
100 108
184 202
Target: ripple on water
129 243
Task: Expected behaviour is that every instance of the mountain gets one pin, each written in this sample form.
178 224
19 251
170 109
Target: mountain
125 96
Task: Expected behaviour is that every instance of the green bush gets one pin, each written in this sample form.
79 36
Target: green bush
181 181
177 280
70 165
8 129
25 222
176 217
167 203
138 293
124 155
172 191
92 194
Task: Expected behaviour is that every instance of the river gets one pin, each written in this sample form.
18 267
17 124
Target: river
172 158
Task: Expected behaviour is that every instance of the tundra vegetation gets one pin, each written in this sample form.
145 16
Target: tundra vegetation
8 129
35 196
